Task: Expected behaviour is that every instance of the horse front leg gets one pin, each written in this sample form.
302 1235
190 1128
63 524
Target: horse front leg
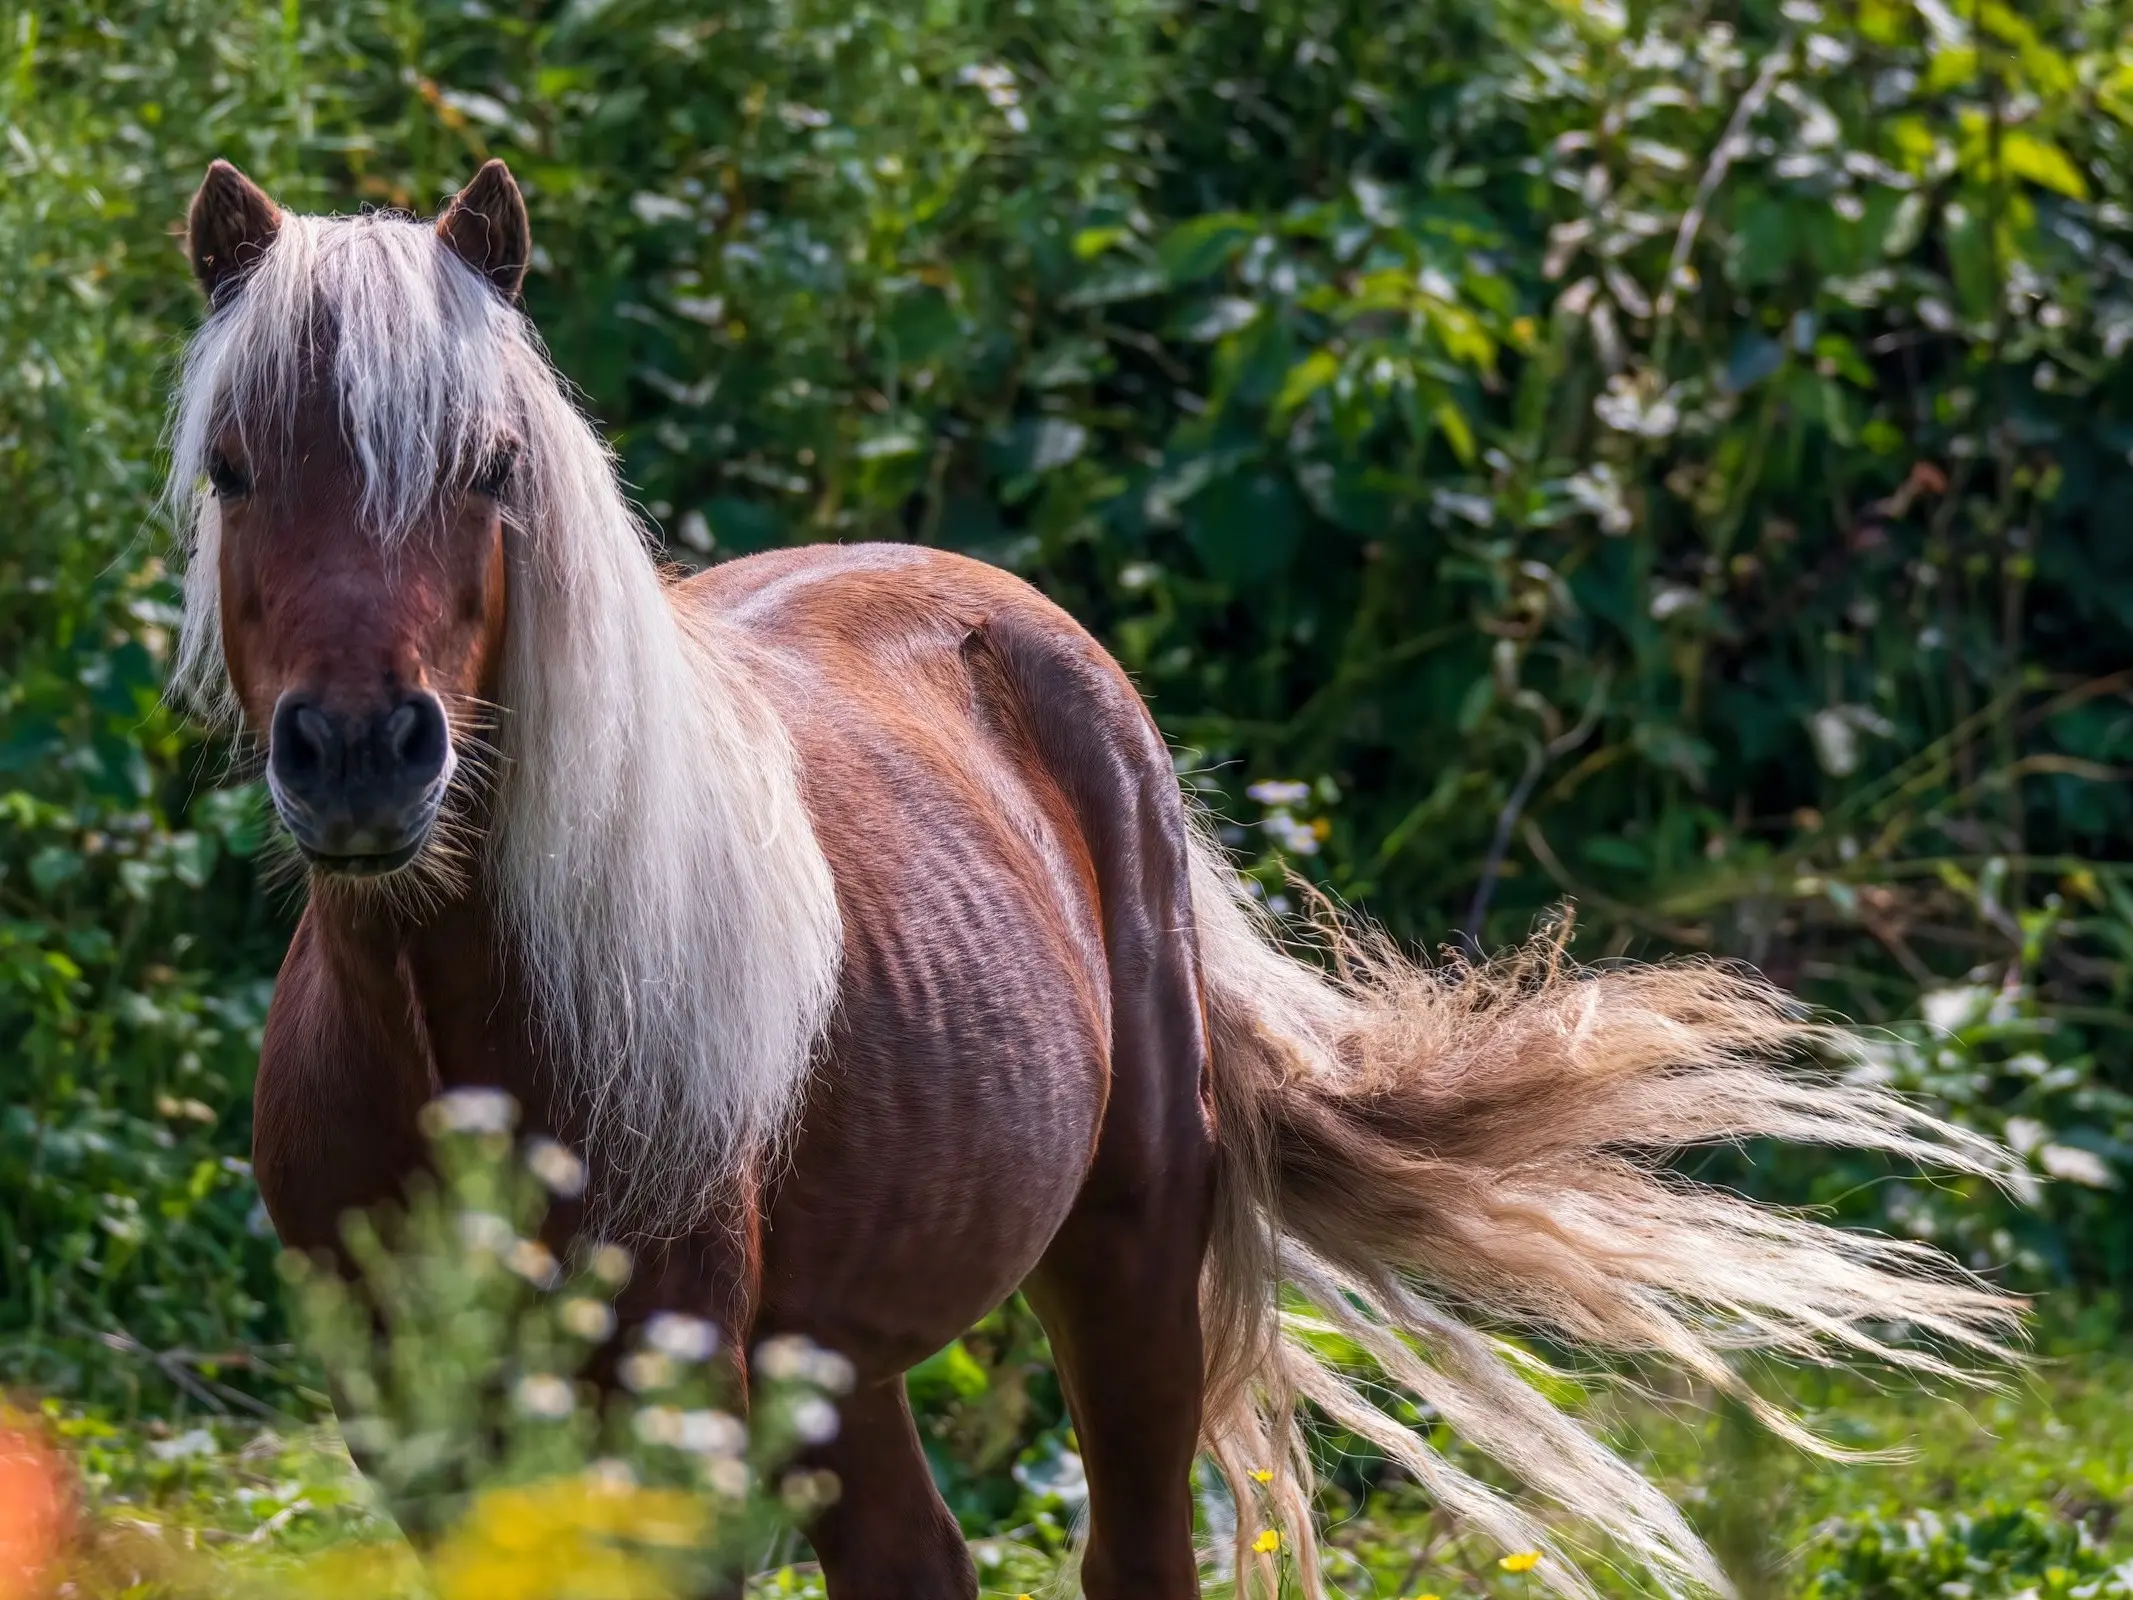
714 1276
889 1535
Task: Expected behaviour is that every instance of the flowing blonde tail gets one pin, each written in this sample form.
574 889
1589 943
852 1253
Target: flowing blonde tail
1424 1155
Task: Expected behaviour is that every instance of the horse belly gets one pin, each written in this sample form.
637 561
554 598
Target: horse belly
949 1134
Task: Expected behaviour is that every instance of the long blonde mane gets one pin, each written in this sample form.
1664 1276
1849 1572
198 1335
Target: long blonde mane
648 852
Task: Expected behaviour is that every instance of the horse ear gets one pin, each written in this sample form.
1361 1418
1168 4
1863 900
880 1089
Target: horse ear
486 227
227 229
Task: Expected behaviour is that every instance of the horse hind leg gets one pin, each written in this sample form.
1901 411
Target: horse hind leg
1118 1293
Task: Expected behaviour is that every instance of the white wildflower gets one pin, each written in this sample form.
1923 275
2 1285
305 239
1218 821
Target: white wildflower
2076 1165
684 1338
486 1233
610 1263
658 1425
543 1394
534 1262
587 1318
711 1433
477 1110
645 1369
814 1419
560 1171
1947 1010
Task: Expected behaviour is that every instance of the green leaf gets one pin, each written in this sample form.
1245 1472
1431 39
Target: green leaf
1844 356
1038 444
2042 163
53 866
1457 431
1069 361
1113 284
1619 854
1090 243
1054 442
1204 245
922 327
1765 238
952 1371
1882 437
741 526
1950 69
192 858
1305 379
888 444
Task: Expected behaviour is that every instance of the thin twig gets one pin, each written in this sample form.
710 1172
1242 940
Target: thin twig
1732 144
1538 756
1544 853
177 1364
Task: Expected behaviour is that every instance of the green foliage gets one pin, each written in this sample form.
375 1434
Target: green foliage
2007 1492
134 944
2021 1491
1993 1552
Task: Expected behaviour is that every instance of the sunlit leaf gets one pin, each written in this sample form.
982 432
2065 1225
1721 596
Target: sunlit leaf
1305 379
2040 161
1205 244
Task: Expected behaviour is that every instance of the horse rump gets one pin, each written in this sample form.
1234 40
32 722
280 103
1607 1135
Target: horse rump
1418 1162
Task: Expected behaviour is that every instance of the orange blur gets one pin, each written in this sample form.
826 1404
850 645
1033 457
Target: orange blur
36 1507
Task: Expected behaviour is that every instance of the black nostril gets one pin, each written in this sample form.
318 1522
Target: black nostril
416 737
314 741
305 749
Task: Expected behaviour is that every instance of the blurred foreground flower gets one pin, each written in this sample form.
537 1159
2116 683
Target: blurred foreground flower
36 1507
594 1535
460 1353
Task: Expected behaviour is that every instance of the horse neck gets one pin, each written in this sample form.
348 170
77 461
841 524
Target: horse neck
443 984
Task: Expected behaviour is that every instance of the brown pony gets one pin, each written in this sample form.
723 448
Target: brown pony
842 907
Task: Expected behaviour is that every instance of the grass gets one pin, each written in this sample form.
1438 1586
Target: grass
2053 1451
2019 1494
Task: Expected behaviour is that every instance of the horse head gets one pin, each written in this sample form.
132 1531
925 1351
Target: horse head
355 511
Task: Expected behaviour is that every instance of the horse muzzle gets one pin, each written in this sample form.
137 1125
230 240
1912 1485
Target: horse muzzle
359 791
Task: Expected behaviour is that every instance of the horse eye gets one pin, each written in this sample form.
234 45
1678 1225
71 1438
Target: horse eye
230 481
496 471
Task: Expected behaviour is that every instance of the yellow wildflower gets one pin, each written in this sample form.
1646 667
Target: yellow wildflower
1261 1475
1520 1561
1267 1543
567 1535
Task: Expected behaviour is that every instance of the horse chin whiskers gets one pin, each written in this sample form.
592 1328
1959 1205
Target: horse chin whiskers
414 891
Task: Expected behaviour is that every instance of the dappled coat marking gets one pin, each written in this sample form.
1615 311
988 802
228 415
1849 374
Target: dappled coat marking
842 906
